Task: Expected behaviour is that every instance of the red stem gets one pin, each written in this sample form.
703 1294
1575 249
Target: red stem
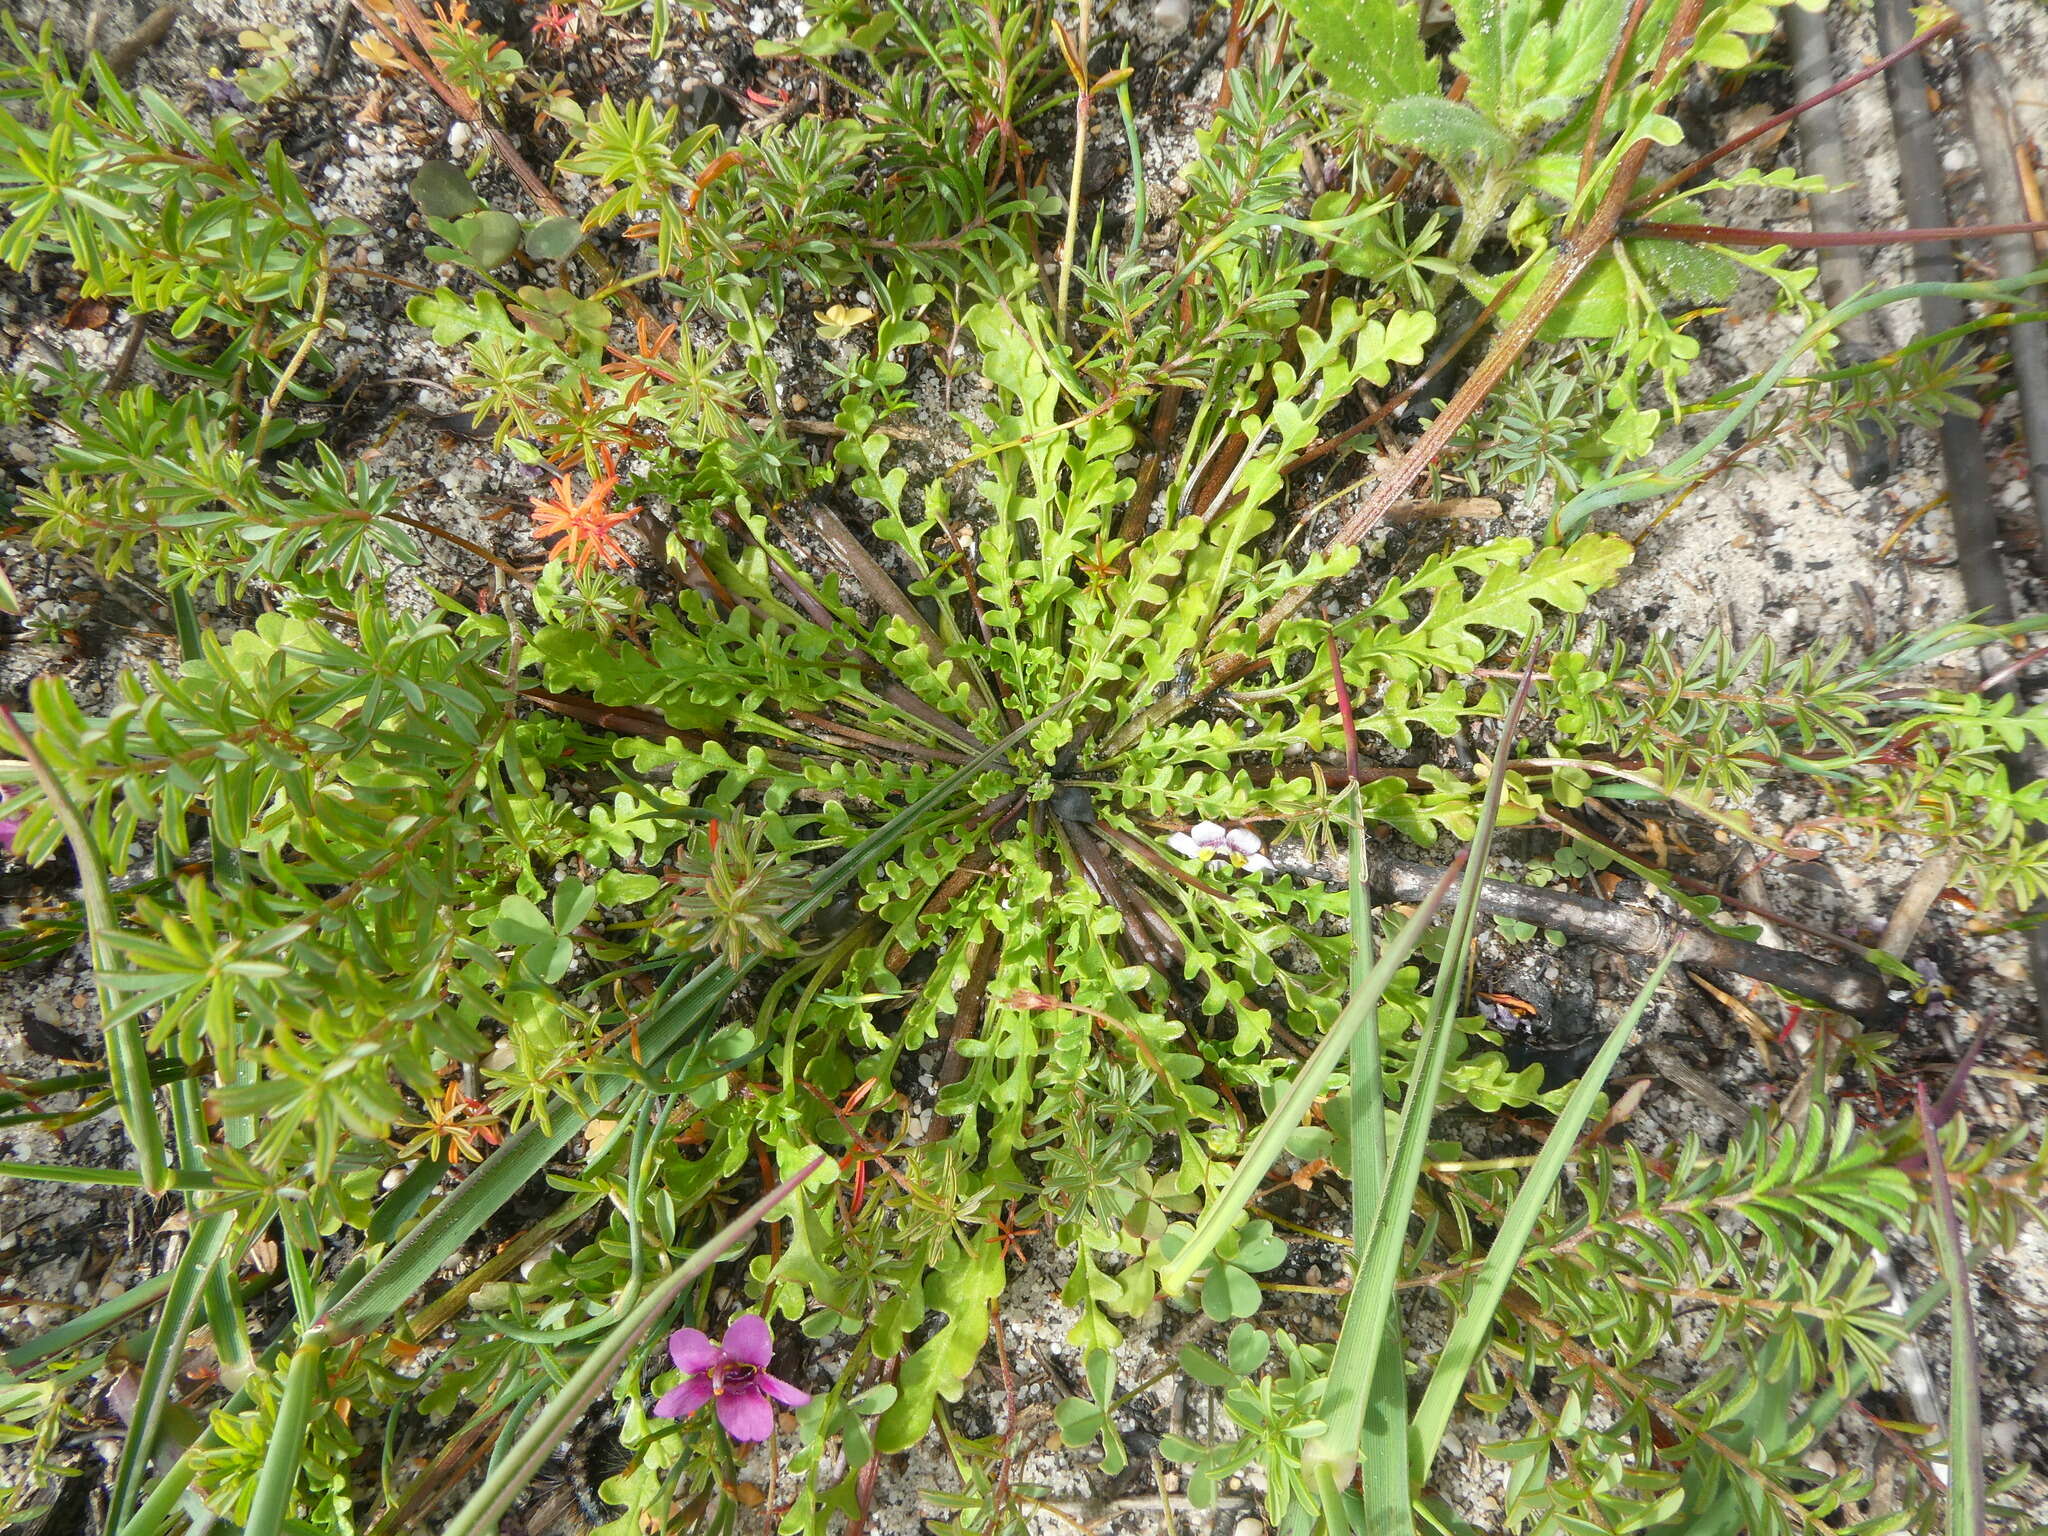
1671 183
1813 239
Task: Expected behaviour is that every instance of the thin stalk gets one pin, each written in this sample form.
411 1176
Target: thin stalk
1926 204
1821 240
1672 183
127 1056
1966 1490
1076 50
1987 103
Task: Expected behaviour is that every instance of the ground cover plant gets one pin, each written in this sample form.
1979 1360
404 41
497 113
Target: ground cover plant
1030 796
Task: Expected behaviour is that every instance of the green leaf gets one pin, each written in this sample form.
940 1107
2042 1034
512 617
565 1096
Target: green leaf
1447 131
1248 1348
1370 50
964 1288
489 237
443 191
1209 1372
1079 1420
1228 1292
554 239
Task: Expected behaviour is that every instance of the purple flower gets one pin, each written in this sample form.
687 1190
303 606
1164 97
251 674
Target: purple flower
732 1374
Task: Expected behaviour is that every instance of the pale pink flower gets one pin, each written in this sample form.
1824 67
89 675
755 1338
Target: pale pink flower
1207 840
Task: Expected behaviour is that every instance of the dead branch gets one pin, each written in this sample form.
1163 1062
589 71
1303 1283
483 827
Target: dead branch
1926 204
1824 152
1853 987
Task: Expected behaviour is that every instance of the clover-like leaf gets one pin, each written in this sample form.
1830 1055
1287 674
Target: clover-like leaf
443 191
554 239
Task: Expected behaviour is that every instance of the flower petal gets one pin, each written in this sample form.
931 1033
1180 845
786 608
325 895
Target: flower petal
747 1340
1258 864
681 1401
1181 843
1208 834
746 1414
1243 840
692 1351
782 1391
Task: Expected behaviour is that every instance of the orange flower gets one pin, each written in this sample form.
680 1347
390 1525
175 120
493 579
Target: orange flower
585 526
557 25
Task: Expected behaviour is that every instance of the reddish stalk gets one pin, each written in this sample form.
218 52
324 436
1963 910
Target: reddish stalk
1673 182
1818 240
1422 381
1589 156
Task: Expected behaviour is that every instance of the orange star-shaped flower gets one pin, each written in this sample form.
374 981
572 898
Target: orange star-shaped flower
556 25
585 526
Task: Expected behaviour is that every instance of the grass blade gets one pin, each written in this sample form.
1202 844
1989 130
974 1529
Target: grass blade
127 1058
203 1250
108 1314
1383 1436
1332 1458
1966 1492
280 1474
1475 1322
543 1436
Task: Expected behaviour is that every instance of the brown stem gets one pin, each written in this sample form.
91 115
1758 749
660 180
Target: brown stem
1589 154
1853 987
1422 381
1823 150
1820 240
1672 183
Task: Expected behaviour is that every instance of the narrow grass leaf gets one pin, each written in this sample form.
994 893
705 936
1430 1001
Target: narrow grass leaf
1383 1434
127 1059
66 1335
204 1249
1475 1320
280 1475
1332 1458
1966 1490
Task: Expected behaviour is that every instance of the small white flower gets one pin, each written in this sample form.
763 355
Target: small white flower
1208 840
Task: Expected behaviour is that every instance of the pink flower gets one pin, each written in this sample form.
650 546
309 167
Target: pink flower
732 1374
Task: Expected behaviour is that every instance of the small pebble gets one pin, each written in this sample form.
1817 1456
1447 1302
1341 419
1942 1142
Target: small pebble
1173 15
